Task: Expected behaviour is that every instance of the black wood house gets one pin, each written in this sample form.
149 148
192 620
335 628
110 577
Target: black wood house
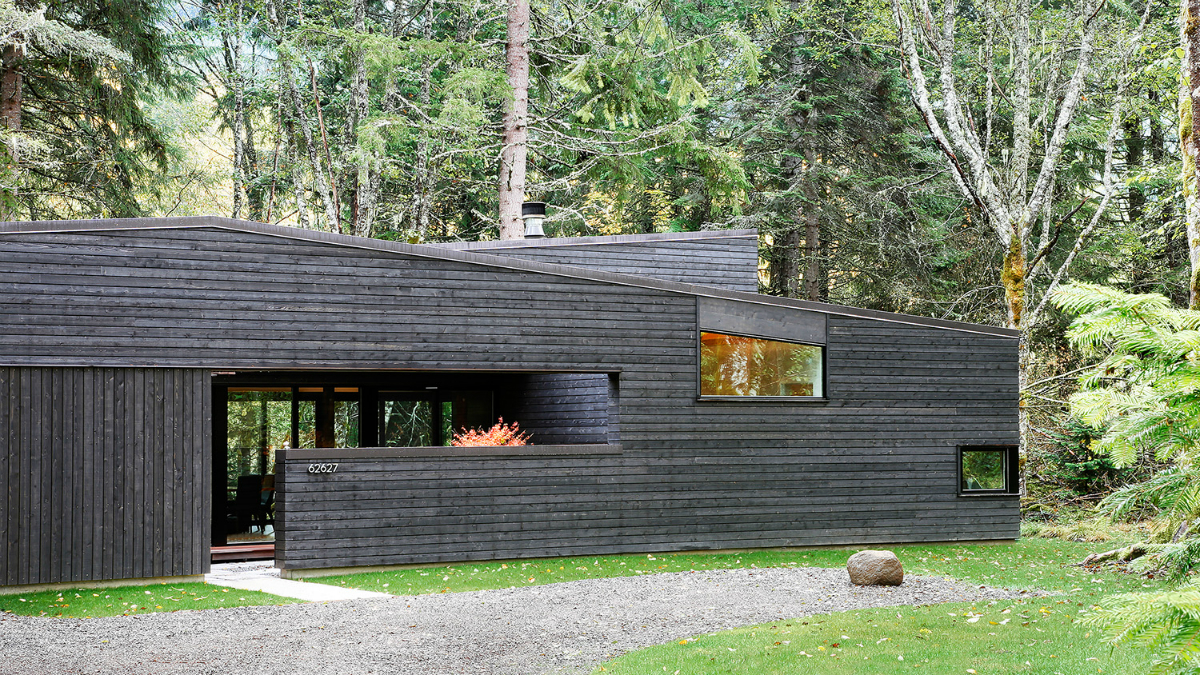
174 389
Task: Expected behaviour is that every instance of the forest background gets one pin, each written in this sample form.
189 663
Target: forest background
958 161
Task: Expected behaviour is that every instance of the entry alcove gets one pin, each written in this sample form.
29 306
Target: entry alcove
257 416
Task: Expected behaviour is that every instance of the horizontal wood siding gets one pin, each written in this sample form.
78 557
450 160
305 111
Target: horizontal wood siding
106 474
725 262
560 408
873 464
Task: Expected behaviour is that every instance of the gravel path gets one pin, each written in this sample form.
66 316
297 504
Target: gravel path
564 627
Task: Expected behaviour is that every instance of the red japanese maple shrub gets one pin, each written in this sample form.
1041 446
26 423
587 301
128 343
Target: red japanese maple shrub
500 434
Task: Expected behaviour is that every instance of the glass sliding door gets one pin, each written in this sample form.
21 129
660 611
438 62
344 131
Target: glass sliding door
305 415
346 417
258 422
414 419
407 420
327 417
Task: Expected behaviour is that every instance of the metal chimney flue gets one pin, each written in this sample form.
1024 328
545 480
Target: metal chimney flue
533 213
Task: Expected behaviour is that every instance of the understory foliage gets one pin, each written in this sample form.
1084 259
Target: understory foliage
1142 388
1077 465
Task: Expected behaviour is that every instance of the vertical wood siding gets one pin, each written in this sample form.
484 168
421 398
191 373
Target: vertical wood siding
106 474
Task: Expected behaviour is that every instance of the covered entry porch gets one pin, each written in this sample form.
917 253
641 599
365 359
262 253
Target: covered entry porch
257 415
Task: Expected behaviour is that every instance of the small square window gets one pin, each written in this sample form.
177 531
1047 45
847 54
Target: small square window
988 470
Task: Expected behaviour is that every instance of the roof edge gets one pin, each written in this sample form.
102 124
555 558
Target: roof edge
442 253
595 240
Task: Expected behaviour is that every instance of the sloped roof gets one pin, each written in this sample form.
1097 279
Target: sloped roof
469 256
549 242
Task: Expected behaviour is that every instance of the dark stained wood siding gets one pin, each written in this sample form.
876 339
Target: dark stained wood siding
873 464
720 261
106 474
560 408
392 504
240 300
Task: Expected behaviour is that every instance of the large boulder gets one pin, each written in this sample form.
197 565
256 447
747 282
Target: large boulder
875 568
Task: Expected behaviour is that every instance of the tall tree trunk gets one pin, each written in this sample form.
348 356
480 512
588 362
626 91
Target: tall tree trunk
288 124
1189 137
11 81
422 173
784 262
1012 277
291 93
247 193
297 177
812 230
1135 201
516 121
335 204
1135 152
233 58
1175 248
319 177
256 189
363 198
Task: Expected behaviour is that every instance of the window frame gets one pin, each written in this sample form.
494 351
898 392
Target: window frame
435 414
1012 470
795 400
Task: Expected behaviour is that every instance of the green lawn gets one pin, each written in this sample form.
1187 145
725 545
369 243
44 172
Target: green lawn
1035 635
125 600
1029 564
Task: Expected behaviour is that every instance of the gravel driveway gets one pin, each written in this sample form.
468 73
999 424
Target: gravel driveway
564 627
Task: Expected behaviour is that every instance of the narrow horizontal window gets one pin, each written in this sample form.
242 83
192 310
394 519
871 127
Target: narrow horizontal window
733 365
988 469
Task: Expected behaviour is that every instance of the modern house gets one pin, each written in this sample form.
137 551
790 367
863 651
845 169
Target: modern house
172 387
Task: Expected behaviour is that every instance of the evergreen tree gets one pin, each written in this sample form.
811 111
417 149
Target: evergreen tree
80 99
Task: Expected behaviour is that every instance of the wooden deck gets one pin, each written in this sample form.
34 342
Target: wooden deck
240 552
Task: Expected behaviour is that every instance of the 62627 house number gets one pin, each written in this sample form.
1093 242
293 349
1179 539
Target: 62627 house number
322 468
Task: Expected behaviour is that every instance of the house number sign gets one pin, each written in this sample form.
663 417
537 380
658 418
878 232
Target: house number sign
322 468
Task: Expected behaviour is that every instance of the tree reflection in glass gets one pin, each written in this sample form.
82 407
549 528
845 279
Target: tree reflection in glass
732 365
983 470
406 424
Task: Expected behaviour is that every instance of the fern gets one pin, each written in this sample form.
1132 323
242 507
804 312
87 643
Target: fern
1144 390
1145 386
1167 622
1179 559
